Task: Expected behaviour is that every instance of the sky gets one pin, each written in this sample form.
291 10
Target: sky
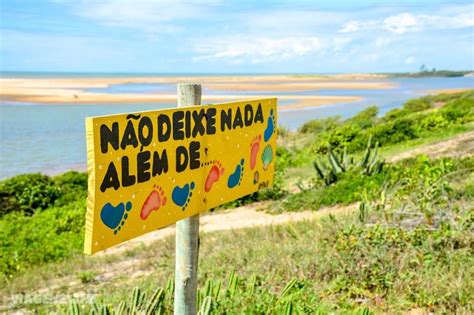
214 36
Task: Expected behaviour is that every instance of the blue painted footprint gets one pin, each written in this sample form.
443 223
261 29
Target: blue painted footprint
236 177
182 195
268 133
114 217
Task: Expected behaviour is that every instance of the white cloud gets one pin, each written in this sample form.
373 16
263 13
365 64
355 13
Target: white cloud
257 49
355 26
288 21
408 22
402 23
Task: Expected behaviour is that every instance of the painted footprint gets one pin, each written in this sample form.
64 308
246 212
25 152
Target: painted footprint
182 195
268 133
267 156
153 202
214 174
254 147
236 177
256 177
114 216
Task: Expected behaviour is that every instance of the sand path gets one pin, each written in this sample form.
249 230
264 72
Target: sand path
238 218
458 146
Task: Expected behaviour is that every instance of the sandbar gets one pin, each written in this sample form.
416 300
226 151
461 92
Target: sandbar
69 90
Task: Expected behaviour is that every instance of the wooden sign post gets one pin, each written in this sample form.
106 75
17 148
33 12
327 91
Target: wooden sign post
187 233
148 170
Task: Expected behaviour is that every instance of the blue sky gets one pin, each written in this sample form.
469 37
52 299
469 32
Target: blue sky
235 36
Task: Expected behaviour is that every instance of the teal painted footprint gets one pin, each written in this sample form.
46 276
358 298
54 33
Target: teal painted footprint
114 216
182 195
268 133
267 156
236 177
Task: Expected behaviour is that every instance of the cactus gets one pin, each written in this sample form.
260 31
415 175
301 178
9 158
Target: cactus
122 308
232 285
362 211
104 310
206 306
136 300
369 165
217 290
366 157
73 308
155 301
289 308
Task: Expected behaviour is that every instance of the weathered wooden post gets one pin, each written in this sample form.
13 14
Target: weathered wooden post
187 233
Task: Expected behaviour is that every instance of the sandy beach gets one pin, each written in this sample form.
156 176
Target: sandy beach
77 90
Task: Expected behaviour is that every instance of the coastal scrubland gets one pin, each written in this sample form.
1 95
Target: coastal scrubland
404 243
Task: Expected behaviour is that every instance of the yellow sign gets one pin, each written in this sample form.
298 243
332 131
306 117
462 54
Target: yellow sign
150 169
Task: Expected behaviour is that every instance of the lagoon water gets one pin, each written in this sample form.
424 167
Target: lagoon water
51 138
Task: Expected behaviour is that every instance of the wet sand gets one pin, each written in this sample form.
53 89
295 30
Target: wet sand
74 90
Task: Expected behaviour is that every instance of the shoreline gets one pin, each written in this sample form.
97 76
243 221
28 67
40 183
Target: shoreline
75 90
445 91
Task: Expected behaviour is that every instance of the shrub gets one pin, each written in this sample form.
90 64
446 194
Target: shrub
396 131
47 235
460 109
27 193
418 104
365 118
394 114
320 125
338 139
283 132
432 122
71 186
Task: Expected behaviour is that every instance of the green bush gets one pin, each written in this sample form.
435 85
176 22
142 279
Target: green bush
398 125
72 186
459 110
27 193
320 125
394 114
31 192
348 189
395 131
418 104
365 118
338 138
47 235
432 122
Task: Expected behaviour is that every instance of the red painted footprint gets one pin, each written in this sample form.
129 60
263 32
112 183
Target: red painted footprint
254 147
153 202
214 174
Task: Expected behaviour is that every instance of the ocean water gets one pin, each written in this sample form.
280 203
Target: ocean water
51 138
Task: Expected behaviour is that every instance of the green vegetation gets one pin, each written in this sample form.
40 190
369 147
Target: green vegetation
413 121
42 219
393 254
407 244
329 172
430 73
